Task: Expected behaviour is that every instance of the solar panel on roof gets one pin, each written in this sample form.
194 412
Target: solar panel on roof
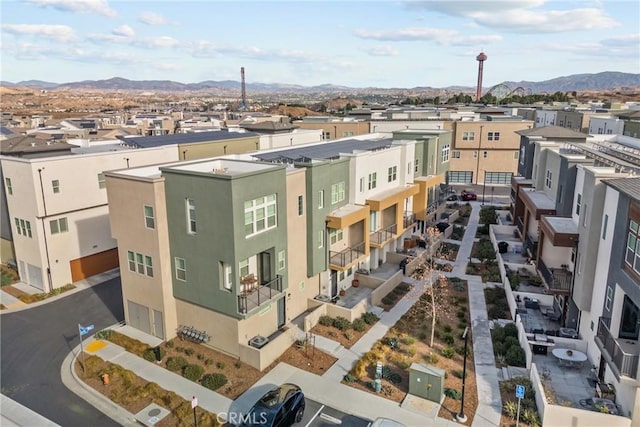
331 150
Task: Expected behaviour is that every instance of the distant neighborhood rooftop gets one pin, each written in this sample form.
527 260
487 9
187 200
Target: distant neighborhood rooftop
552 132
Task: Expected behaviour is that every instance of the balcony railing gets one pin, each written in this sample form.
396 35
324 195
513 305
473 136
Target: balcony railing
625 362
557 280
520 224
347 256
247 301
531 246
409 219
383 235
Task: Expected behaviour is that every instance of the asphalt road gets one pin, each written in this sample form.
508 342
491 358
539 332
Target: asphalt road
319 415
36 341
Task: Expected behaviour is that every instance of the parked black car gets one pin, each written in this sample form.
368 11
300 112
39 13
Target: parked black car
280 407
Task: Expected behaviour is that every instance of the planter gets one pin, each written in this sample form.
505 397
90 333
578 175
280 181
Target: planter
355 283
342 292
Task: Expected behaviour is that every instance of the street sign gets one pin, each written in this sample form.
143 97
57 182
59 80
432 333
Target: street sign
84 330
520 391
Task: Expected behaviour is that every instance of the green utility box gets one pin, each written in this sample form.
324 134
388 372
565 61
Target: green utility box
426 381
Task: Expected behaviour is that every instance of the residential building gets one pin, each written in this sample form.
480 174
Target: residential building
546 117
334 127
606 126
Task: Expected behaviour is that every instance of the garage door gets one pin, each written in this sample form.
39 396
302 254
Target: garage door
84 267
139 317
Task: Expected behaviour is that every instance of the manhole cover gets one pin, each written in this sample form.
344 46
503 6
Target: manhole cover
154 412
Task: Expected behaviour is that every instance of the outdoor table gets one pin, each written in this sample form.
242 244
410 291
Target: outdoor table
569 357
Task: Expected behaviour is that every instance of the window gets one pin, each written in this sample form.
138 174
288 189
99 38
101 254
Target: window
362 185
243 268
139 263
337 193
260 215
392 174
58 226
604 226
23 227
181 269
281 260
149 219
516 155
300 205
497 177
632 257
55 184
475 154
409 168
548 179
335 235
522 155
7 182
493 136
326 135
227 275
373 221
417 167
455 155
191 216
485 154
585 215
320 199
445 153
102 183
629 320
468 136
372 180
320 239
569 123
345 134
578 203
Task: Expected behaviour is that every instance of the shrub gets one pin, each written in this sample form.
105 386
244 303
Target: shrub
395 378
446 328
431 358
189 351
515 356
408 340
448 352
359 369
170 344
461 314
208 362
200 356
348 335
349 378
530 417
176 363
460 350
403 363
462 324
370 318
150 355
341 323
388 300
104 334
453 393
214 381
220 365
498 348
511 330
448 339
193 372
510 341
498 334
326 320
359 325
412 351
510 409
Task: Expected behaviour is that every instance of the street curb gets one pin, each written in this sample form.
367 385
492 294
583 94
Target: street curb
71 380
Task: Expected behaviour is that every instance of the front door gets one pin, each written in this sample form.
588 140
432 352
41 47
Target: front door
264 266
158 324
282 313
334 283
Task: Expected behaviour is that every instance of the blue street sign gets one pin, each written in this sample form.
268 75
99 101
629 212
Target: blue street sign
84 330
520 391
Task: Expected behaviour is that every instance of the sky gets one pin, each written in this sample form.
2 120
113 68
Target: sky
342 42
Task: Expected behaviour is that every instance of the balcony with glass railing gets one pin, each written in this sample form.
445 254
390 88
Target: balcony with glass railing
621 354
254 297
347 256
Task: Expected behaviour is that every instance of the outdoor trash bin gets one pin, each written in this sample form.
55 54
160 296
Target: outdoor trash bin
503 247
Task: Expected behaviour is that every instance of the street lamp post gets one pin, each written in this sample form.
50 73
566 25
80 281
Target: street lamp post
461 417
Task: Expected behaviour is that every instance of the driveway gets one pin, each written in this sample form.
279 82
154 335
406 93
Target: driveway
36 340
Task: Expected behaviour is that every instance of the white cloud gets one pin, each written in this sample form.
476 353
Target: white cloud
405 34
60 33
206 49
101 7
124 31
522 16
151 18
384 50
472 40
630 40
157 42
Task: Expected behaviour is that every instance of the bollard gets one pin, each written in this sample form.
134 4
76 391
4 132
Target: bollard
378 383
105 379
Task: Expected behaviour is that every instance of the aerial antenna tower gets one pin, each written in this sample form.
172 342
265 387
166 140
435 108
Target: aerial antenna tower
480 58
243 105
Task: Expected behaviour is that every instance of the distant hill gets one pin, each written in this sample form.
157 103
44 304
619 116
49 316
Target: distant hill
576 82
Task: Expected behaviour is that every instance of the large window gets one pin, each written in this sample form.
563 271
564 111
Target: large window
260 215
445 153
140 263
497 177
630 320
23 227
181 269
493 136
191 216
227 275
7 182
468 136
578 203
455 154
337 193
282 260
392 174
243 268
149 218
58 226
522 155
335 235
632 257
373 177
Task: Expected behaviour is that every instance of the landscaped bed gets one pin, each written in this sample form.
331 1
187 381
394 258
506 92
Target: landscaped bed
31 298
341 330
496 301
391 299
408 342
528 408
134 393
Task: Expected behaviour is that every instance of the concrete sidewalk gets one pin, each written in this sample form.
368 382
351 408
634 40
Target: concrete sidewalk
16 415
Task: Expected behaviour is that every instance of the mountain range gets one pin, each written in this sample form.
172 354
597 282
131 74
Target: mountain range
575 82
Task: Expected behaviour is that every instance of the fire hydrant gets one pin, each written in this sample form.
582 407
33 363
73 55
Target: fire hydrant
105 379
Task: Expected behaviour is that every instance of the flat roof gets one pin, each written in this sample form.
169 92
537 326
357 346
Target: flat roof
562 224
541 200
184 138
326 151
223 167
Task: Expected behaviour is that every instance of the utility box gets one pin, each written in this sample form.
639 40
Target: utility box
426 381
